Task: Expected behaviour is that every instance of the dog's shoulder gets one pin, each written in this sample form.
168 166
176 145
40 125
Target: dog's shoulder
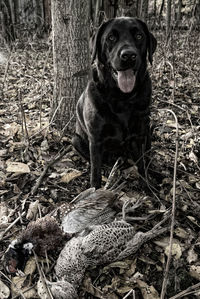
95 90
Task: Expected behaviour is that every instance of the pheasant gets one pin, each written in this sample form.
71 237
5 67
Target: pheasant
102 244
97 239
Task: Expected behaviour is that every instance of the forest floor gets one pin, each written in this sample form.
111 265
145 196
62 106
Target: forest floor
28 143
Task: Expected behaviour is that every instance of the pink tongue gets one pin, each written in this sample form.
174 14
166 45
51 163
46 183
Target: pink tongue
126 80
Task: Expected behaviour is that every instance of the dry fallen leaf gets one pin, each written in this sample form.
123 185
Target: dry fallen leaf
44 145
32 210
124 290
192 256
4 219
20 283
17 167
17 286
3 152
193 220
131 172
186 136
71 175
193 157
176 251
131 269
195 272
181 233
148 292
118 264
88 286
11 129
170 123
176 247
3 59
4 291
41 290
30 266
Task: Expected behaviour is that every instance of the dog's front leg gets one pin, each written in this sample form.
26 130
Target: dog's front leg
95 164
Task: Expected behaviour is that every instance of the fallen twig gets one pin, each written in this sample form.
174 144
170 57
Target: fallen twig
187 291
110 184
6 70
164 285
42 276
129 293
50 122
24 126
49 164
11 225
173 77
20 292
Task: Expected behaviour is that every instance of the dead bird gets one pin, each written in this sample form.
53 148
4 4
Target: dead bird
97 244
90 207
42 235
102 244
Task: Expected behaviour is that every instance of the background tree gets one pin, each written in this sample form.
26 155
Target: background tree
155 8
145 9
161 10
33 16
129 8
70 28
196 13
71 23
179 14
168 19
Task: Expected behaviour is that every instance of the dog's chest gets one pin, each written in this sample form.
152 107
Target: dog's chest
121 116
118 126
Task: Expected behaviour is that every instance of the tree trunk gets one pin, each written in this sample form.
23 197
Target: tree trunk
155 8
130 10
179 13
8 18
96 16
138 5
196 12
168 19
141 9
47 14
145 9
109 8
39 20
70 27
161 11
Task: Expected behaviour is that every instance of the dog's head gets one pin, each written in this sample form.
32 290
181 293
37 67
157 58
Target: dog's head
121 46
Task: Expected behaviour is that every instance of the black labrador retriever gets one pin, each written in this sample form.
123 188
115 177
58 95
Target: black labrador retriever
113 111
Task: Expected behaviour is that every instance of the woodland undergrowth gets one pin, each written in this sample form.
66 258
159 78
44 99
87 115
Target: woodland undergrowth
30 146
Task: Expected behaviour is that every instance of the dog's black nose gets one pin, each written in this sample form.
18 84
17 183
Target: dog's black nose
127 54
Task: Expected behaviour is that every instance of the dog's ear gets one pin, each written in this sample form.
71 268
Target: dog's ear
151 41
151 46
95 43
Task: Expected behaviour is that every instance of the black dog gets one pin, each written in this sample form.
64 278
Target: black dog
113 111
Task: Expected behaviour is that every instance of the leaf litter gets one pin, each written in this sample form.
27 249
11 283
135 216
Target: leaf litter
28 144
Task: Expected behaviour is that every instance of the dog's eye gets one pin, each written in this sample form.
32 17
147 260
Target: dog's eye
112 38
139 36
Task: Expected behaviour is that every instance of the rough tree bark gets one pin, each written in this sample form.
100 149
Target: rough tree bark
70 27
128 9
155 8
47 13
161 11
145 10
168 19
179 13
